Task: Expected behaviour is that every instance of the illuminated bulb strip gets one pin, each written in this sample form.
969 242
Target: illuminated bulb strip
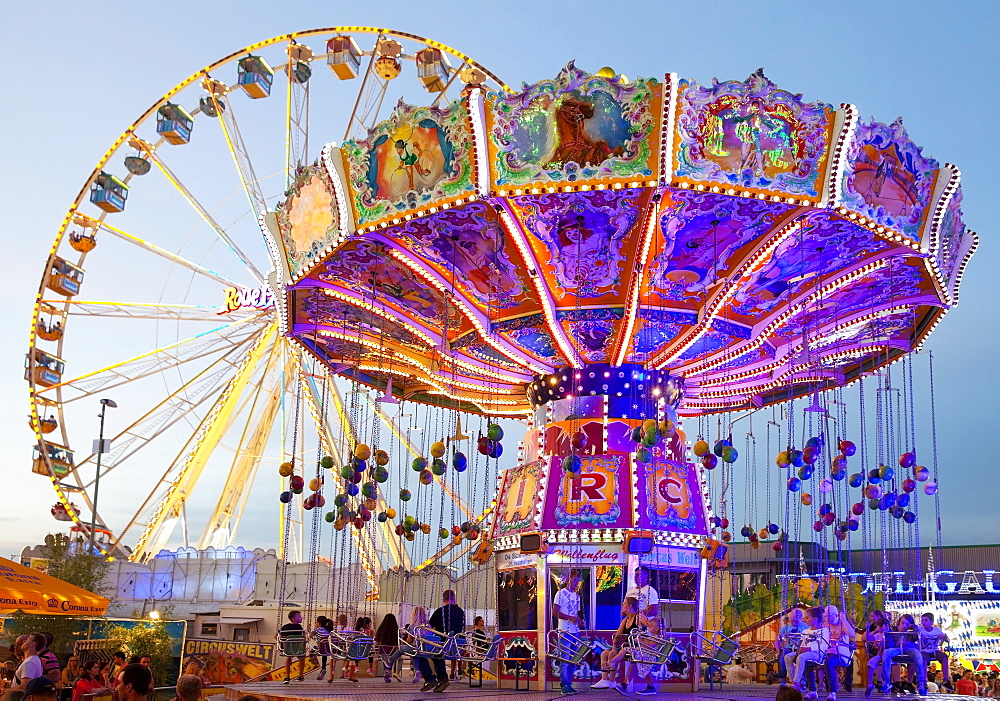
761 337
960 268
930 329
435 379
667 131
482 404
484 370
841 150
793 350
542 292
345 214
479 144
954 179
472 315
935 240
413 362
638 277
273 250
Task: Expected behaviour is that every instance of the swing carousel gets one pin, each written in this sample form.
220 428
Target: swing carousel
630 266
615 259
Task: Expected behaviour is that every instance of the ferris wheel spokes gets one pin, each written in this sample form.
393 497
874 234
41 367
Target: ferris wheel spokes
221 527
150 311
178 404
201 210
172 257
156 361
241 159
205 440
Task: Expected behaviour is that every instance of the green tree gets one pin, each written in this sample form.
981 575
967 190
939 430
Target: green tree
68 561
148 637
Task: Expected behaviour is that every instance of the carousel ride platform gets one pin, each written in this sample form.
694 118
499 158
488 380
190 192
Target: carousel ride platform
377 690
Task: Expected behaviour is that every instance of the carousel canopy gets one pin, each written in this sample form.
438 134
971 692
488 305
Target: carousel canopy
756 245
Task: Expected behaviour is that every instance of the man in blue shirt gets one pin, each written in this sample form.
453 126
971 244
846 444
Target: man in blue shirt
788 641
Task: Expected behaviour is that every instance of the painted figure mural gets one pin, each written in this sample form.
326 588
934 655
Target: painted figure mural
418 155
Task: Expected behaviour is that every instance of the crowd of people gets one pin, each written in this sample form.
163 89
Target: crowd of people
899 657
34 673
389 643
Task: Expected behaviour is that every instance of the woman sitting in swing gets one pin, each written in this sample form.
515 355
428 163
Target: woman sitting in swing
632 620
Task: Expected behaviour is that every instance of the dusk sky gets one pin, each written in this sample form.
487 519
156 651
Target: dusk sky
76 74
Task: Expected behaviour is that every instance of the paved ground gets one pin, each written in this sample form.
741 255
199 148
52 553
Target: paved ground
377 690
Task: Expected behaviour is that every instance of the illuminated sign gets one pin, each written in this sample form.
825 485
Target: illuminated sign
516 508
246 298
968 583
586 554
598 496
666 557
671 503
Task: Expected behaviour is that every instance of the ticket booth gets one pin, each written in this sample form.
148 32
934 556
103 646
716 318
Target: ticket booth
584 499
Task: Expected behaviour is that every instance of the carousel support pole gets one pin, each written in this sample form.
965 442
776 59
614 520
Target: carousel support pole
542 615
699 617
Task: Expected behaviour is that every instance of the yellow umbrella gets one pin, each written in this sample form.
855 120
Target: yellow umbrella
34 592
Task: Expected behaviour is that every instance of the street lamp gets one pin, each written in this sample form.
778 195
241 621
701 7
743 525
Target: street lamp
99 448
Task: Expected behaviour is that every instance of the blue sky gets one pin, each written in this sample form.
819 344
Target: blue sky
77 73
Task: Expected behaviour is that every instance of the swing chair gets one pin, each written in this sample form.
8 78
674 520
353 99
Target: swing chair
715 649
292 644
810 667
567 647
644 647
431 644
473 654
350 646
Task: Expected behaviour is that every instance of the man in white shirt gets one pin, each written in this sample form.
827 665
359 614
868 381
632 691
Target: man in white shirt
931 638
31 667
566 609
649 599
737 673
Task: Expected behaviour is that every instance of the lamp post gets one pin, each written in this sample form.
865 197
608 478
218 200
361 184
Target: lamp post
105 403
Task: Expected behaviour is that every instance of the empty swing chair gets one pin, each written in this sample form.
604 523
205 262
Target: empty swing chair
567 647
715 650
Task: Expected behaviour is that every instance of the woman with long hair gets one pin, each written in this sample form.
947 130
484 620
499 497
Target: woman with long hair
408 643
386 643
89 681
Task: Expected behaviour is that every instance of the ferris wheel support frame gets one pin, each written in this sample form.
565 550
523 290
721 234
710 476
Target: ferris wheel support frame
220 529
219 421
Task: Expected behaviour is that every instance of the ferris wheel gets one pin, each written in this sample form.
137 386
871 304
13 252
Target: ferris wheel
158 292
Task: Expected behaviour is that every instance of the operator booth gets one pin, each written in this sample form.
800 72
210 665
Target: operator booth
601 488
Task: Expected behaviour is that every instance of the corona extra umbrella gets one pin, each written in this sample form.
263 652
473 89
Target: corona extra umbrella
34 592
